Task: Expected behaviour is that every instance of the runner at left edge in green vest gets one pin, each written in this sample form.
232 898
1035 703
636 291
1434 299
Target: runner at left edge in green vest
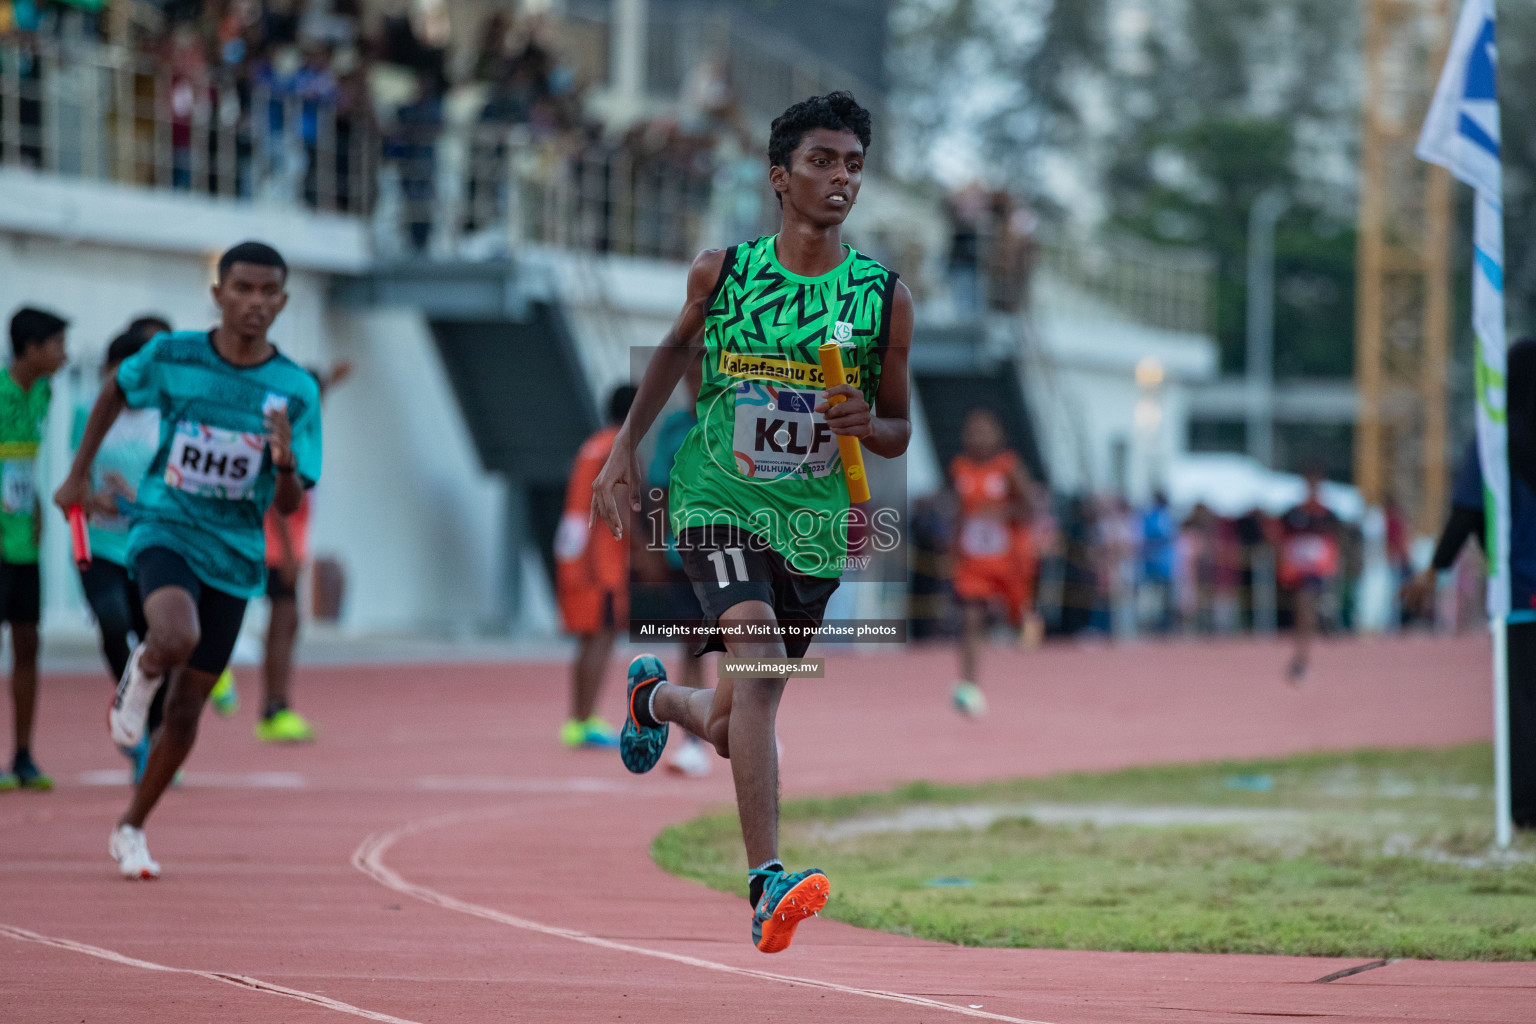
37 352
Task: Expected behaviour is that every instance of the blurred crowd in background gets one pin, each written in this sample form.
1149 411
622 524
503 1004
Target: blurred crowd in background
1099 565
319 96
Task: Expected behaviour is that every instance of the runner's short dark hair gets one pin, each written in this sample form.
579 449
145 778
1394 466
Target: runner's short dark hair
838 111
33 327
148 325
125 345
259 253
619 402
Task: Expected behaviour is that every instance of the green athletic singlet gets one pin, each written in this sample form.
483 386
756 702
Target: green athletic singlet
23 415
759 458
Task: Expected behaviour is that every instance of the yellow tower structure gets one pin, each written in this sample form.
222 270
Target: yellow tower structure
1402 294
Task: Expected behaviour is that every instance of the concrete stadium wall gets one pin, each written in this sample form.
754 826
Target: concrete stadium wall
1080 374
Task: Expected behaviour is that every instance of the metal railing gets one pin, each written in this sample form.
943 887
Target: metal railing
477 190
767 69
1161 286
102 113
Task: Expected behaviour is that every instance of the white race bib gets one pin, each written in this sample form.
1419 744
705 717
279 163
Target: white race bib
777 436
211 462
18 485
982 537
1308 552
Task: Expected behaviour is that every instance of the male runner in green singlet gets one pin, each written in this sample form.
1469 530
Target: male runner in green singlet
759 501
37 347
239 431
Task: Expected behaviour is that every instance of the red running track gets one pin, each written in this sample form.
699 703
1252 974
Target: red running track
439 858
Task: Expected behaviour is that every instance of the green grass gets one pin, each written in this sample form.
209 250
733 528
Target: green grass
1383 855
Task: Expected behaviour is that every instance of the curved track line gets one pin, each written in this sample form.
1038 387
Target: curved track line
369 859
237 980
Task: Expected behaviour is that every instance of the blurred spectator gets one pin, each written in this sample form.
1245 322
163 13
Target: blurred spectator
188 98
1158 536
413 146
1119 547
402 44
1080 590
1200 537
736 193
708 102
1011 260
1255 571
967 212
1399 558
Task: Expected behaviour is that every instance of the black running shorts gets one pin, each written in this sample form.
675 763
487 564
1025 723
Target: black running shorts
728 565
277 588
21 593
219 614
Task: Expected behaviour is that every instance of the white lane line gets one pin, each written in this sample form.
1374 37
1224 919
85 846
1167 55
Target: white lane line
503 784
220 780
113 777
369 859
237 980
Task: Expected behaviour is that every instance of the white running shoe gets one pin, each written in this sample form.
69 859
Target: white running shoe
968 699
130 706
690 759
128 848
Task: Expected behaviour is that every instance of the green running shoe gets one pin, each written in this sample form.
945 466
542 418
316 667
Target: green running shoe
640 746
287 726
786 901
599 734
224 697
593 734
28 775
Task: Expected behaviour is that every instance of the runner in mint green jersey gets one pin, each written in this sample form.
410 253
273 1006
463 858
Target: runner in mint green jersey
239 431
209 486
759 499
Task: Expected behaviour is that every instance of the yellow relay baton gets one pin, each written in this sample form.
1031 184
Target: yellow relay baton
831 355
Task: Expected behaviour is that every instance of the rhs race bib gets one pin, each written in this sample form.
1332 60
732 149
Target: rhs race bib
211 462
776 435
18 485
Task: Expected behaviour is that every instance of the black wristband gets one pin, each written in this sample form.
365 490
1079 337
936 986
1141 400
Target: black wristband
285 470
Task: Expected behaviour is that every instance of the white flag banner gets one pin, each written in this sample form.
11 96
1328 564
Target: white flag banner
1462 135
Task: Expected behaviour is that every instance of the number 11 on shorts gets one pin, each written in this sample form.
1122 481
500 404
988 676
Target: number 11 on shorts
718 559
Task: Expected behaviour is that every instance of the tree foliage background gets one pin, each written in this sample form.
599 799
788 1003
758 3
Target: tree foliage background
1166 119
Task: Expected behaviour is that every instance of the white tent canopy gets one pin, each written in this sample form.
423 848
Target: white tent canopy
1232 485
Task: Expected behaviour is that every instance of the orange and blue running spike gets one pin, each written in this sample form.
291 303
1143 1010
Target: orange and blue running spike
786 901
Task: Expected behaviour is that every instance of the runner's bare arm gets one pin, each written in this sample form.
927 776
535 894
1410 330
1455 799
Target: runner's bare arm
1023 503
76 488
886 430
289 492
667 367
